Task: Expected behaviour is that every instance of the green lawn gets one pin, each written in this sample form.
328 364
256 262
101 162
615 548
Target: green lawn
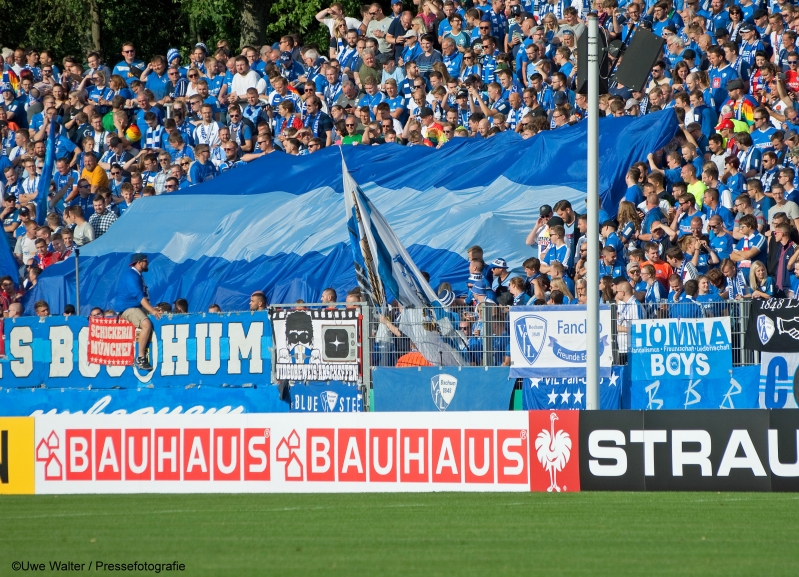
413 534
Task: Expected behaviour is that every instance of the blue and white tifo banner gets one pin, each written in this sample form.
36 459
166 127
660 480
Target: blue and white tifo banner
731 389
332 397
436 200
778 380
145 401
442 389
687 364
569 392
232 349
669 349
550 341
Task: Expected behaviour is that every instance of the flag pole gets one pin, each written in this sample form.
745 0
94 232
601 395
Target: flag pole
592 323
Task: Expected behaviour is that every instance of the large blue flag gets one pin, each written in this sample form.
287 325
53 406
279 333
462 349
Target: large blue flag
46 177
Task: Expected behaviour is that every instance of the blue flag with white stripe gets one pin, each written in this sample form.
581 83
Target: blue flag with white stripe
384 269
47 176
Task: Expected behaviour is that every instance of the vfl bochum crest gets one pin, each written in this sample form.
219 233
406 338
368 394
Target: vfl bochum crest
765 328
531 332
442 388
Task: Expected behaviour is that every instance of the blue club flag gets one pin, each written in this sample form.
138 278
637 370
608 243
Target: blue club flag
383 267
47 175
385 270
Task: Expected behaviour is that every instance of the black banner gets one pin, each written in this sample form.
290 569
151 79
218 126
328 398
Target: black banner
740 450
773 326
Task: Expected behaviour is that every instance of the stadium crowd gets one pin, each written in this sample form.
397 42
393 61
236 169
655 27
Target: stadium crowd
712 216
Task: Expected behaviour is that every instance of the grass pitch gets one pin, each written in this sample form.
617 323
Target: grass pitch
412 534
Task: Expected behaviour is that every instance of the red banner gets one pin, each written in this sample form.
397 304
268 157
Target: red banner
111 341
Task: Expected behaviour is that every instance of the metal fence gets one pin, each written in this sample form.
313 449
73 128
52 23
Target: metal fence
480 336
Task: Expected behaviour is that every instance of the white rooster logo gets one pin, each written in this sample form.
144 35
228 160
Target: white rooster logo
554 451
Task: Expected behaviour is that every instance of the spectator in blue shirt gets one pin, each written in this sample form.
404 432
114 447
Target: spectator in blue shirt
133 300
130 69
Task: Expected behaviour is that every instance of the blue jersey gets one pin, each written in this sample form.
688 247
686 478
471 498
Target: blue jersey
561 254
127 72
755 240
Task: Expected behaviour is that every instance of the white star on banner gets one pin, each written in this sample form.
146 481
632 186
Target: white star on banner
613 378
565 397
553 398
535 383
578 398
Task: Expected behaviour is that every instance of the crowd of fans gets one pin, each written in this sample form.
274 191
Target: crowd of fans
710 217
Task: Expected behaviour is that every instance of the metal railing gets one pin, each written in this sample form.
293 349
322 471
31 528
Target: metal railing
480 336
468 336
736 310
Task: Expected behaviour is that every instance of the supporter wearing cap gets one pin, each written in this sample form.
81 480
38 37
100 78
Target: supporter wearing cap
631 107
741 104
133 300
751 43
396 9
499 268
15 109
289 68
412 50
610 238
539 235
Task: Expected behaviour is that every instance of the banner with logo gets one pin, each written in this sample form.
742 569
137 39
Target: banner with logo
190 400
553 451
366 452
316 345
332 397
737 389
111 341
226 349
669 349
778 380
569 392
773 326
550 341
442 389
